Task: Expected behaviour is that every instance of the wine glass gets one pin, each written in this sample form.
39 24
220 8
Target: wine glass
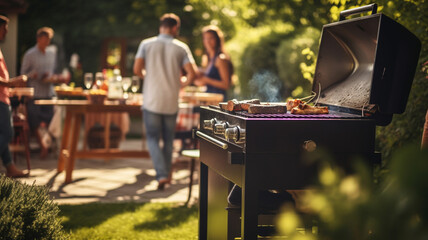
135 85
99 79
88 79
126 83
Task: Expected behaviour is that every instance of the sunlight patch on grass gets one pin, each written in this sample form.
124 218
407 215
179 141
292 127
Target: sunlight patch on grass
130 221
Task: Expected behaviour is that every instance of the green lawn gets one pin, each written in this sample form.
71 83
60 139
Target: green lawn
146 221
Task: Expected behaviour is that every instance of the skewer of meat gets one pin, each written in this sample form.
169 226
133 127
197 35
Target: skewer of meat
292 103
305 109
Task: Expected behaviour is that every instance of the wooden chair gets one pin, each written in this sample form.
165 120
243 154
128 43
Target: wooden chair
193 155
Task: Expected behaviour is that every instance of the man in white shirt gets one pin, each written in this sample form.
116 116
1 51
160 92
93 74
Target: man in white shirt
39 63
160 61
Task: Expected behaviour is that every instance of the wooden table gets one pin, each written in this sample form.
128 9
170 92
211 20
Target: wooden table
74 112
201 98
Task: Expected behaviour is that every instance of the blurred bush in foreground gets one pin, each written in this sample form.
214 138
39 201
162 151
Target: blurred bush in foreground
27 212
352 207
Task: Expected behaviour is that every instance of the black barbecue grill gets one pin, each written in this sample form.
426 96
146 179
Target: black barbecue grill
364 72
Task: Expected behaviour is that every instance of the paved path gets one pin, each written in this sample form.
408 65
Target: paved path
97 180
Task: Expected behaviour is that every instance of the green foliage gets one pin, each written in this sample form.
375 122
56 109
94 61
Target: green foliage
350 207
258 65
27 212
84 33
295 61
266 12
236 48
149 221
276 58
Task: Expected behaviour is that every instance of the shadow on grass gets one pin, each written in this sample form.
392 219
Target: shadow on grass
93 214
167 217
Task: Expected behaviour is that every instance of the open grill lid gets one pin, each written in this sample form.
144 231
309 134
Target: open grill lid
366 61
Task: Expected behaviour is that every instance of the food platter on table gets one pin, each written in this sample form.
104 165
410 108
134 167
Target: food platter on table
65 91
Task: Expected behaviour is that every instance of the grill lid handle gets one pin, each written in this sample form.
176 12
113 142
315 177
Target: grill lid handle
349 12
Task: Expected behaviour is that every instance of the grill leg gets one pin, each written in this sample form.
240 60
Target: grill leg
249 212
203 201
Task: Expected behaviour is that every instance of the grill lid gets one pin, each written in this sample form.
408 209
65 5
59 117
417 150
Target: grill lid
365 61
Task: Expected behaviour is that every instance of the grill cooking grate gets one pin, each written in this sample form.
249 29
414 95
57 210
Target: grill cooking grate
289 115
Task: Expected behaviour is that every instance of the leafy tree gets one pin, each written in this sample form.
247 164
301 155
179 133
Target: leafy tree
82 26
259 72
296 62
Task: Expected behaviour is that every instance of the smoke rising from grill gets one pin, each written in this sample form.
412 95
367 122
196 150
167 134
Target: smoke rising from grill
265 85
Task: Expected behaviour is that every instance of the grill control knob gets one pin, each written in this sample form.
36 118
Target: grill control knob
236 134
220 127
241 135
231 134
209 124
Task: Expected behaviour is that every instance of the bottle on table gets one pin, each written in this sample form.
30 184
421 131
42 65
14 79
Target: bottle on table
115 90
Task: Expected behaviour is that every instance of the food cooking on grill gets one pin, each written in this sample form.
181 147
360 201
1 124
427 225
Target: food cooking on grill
254 106
267 108
292 103
246 104
223 105
235 105
305 109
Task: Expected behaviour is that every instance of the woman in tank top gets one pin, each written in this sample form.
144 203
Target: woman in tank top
216 64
